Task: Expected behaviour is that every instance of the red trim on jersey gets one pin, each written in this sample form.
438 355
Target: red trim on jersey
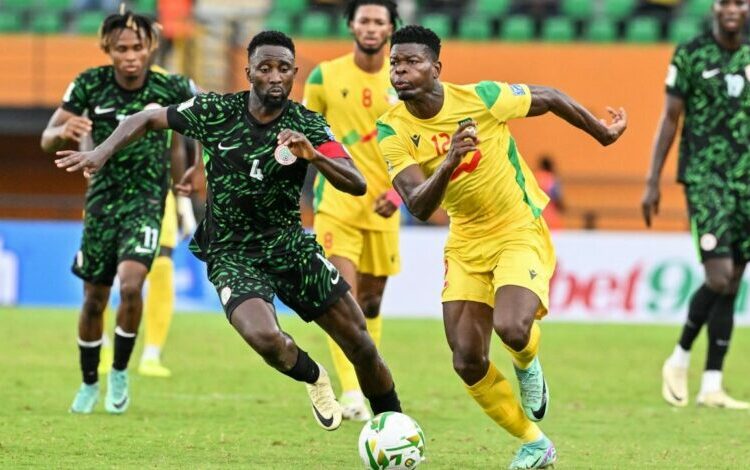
333 149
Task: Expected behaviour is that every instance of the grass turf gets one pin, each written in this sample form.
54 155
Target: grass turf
224 407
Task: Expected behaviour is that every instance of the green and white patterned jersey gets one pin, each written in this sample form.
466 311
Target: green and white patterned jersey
713 83
253 200
140 170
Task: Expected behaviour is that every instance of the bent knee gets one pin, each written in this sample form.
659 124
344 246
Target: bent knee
130 291
370 304
513 334
470 366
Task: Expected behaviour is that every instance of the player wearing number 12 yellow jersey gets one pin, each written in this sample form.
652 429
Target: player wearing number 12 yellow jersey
450 144
359 234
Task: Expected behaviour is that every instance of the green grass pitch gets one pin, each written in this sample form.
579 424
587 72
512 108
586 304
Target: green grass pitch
224 407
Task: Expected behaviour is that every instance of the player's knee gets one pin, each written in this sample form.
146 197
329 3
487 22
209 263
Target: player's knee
513 333
370 304
269 344
94 305
130 291
470 365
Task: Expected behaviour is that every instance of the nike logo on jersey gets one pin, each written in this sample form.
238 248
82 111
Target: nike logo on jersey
710 73
335 279
100 110
326 422
415 139
223 147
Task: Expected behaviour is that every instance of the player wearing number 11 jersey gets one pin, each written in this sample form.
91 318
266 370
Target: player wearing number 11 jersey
450 144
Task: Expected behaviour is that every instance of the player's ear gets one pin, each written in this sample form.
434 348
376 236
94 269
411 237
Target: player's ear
296 69
247 74
437 67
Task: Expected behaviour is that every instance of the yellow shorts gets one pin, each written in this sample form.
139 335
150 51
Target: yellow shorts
373 252
168 236
476 269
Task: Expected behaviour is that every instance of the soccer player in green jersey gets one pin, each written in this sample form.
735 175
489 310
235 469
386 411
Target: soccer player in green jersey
707 82
125 201
257 147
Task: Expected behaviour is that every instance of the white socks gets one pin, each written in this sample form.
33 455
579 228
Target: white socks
679 358
711 381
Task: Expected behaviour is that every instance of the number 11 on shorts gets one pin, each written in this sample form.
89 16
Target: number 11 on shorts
150 239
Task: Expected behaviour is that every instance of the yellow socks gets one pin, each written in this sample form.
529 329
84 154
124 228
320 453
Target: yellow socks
375 328
523 359
344 369
159 305
495 395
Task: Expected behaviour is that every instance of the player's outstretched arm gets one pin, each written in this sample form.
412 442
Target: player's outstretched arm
340 172
64 128
129 130
545 99
423 196
670 119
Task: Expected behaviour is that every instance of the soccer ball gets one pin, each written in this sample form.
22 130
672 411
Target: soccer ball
391 440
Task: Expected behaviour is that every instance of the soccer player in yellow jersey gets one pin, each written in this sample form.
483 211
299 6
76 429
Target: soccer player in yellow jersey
450 144
359 234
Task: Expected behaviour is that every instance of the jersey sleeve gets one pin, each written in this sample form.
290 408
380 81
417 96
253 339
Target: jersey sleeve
678 74
75 99
392 147
189 118
317 130
314 94
505 101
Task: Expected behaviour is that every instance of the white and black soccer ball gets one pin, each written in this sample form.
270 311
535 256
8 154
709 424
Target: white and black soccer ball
391 440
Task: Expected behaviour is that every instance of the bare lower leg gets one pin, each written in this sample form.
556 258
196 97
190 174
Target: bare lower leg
256 322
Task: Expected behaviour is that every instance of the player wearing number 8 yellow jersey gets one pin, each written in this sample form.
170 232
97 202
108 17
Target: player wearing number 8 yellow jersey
450 144
359 234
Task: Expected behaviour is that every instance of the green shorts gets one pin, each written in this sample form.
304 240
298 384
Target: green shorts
301 277
118 233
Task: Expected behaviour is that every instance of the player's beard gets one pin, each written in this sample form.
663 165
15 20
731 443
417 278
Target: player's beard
371 50
273 102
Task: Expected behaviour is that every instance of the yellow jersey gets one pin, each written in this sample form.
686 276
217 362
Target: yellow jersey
492 190
351 101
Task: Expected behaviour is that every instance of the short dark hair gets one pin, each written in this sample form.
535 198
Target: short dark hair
419 35
143 26
352 5
270 38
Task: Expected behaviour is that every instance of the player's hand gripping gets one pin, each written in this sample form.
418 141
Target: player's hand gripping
618 125
650 202
464 141
297 143
90 162
385 205
75 129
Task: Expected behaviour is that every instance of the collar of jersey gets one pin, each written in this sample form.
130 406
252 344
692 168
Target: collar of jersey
251 118
125 90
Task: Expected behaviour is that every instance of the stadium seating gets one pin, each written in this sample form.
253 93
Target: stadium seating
47 23
684 29
642 30
10 22
618 9
278 21
439 23
601 31
517 28
315 25
290 7
89 22
577 9
474 28
558 30
491 8
697 8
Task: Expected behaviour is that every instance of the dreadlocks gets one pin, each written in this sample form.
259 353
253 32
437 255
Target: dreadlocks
143 27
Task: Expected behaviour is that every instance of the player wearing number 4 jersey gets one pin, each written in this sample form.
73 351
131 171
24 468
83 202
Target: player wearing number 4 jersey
257 146
359 234
450 144
125 201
